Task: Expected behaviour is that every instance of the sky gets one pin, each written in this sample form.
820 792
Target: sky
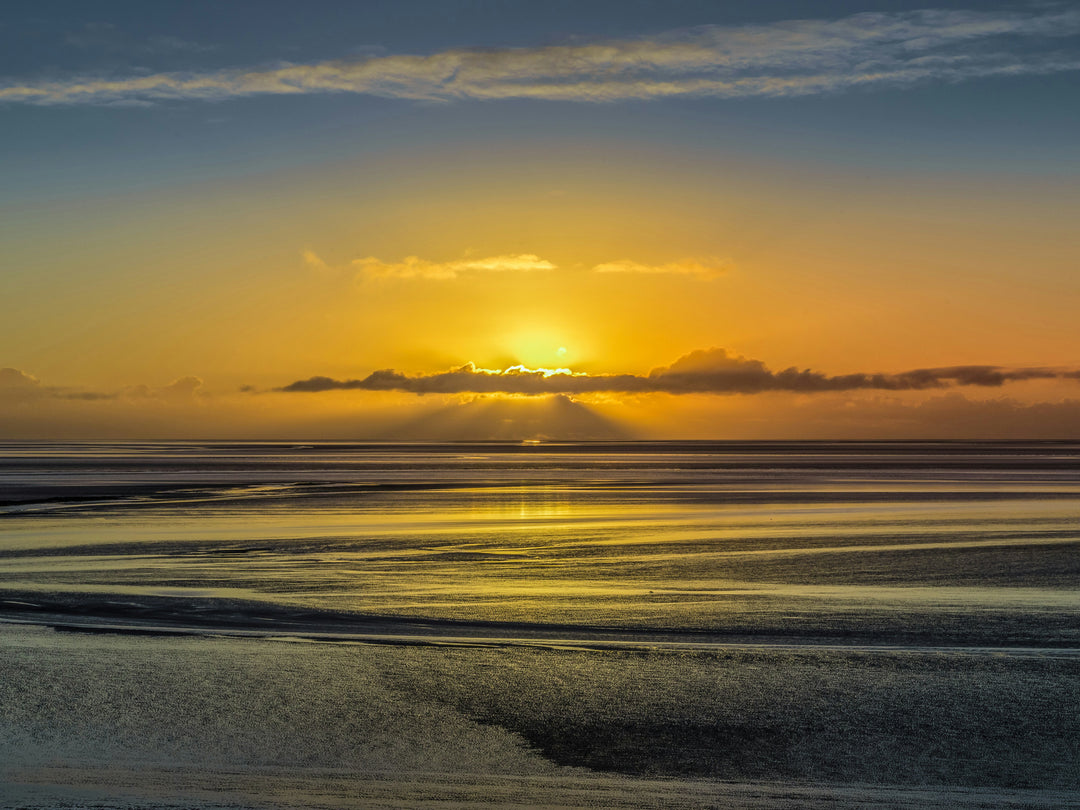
472 219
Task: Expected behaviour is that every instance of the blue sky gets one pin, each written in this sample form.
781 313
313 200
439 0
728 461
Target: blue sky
1026 123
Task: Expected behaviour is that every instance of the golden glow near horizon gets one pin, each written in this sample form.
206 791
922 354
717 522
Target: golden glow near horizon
247 305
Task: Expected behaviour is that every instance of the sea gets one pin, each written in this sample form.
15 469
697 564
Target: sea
540 624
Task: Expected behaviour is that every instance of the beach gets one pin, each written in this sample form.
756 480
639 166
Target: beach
556 625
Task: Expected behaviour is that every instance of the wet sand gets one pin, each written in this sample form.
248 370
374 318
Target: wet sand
721 626
143 720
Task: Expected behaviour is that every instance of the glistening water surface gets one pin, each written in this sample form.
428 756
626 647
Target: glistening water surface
903 614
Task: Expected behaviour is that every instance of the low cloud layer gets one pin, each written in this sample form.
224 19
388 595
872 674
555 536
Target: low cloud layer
706 371
788 58
30 409
18 387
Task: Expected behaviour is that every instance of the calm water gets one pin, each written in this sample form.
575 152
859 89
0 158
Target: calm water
902 615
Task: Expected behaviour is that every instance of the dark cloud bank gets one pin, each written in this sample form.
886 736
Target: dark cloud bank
706 371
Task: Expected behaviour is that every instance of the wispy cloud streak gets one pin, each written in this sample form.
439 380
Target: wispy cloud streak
790 58
706 371
708 267
415 267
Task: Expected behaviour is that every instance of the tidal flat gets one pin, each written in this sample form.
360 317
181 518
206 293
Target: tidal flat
572 625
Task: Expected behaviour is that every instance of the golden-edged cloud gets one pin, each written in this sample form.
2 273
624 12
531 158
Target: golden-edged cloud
705 371
708 267
787 58
846 406
415 267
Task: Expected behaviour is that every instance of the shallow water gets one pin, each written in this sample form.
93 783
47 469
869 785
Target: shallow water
813 614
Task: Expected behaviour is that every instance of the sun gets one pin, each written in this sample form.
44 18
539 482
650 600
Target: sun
538 348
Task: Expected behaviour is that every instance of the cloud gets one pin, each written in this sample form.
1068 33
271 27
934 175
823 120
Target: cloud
708 267
33 409
13 378
314 262
787 58
18 387
85 396
181 390
415 267
705 371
